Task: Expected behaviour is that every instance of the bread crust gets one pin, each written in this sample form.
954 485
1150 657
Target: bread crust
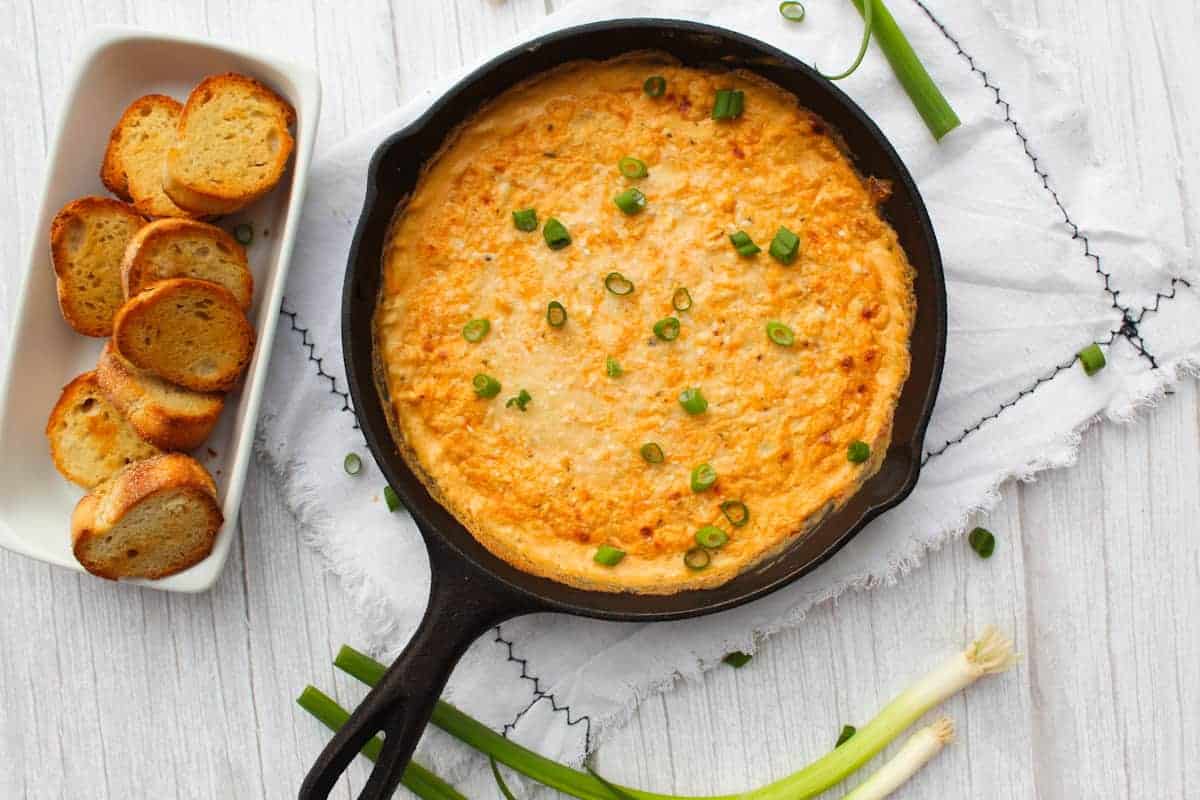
152 306
98 512
70 300
209 196
137 394
136 272
104 433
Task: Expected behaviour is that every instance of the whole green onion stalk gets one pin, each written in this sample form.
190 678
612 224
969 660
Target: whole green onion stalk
989 654
918 751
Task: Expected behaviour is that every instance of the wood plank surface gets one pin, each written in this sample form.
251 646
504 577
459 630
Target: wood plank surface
116 692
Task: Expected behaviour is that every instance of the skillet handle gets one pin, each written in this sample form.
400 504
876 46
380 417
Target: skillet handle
463 603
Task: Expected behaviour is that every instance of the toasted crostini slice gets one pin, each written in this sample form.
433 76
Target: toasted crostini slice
133 161
185 248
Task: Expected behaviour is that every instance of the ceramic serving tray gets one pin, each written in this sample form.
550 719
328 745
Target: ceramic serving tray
116 66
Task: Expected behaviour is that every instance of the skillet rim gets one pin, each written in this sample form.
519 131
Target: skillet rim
543 594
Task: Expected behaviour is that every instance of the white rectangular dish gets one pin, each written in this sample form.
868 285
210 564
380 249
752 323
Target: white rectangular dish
117 66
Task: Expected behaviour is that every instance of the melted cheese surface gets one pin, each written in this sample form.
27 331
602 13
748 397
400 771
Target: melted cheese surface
545 487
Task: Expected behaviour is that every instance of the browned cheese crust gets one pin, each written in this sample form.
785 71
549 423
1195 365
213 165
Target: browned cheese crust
545 487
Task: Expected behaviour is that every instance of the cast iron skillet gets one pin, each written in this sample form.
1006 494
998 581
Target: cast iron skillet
472 590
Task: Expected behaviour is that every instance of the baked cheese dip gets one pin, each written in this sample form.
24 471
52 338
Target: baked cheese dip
642 325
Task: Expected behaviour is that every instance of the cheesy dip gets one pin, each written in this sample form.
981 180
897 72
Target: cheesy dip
634 347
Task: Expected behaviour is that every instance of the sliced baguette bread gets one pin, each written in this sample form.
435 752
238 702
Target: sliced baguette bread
89 439
168 416
189 332
185 248
87 244
231 147
137 146
152 519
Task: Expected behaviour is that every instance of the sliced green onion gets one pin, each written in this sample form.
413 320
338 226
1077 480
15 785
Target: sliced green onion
525 220
485 385
392 499
612 367
520 401
737 659
1091 358
703 478
608 556
504 790
784 246
712 537
930 103
858 452
244 234
555 234
352 464
982 542
631 201
791 10
652 453
682 299
744 244
556 314
736 512
780 334
868 26
655 86
697 558
618 284
847 732
667 329
476 329
693 401
728 104
632 167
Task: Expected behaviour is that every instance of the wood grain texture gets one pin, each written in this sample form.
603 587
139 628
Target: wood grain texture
117 692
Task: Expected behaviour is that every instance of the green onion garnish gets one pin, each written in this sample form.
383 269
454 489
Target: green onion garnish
784 246
982 542
667 329
930 103
712 537
703 478
682 299
612 367
525 219
737 659
485 386
728 104
391 498
556 314
847 732
520 401
1091 358
631 201
555 234
632 167
736 512
608 556
652 453
858 452
744 244
244 234
655 86
791 10
618 284
697 558
868 26
476 329
352 464
780 334
693 401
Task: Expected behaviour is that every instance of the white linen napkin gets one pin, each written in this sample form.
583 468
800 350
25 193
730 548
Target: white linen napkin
1045 251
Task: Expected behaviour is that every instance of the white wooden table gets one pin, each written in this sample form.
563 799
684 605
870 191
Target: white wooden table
114 692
